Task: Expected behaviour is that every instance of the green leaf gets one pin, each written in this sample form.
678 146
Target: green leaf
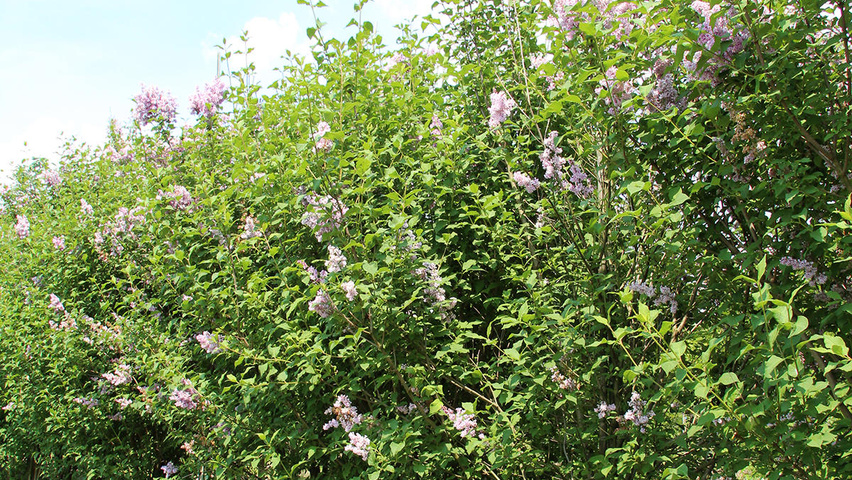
678 348
435 406
728 378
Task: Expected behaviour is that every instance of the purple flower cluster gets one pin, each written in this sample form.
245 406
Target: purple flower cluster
315 275
180 197
562 381
810 271
322 304
206 102
123 402
603 409
324 214
186 398
322 144
154 104
250 229
22 227
52 178
169 469
59 243
434 293
406 409
85 208
359 445
565 18
465 423
56 304
711 33
119 376
336 260
345 414
500 109
207 342
349 290
665 297
524 181
637 413
436 125
87 402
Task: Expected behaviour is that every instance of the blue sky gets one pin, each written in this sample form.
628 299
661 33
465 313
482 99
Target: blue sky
71 65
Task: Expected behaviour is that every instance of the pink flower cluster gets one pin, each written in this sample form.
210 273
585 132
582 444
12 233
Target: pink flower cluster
336 260
169 469
153 104
206 102
324 214
436 125
322 304
59 243
52 178
345 414
637 413
250 229
349 290
465 423
322 144
500 109
180 197
85 208
119 376
359 445
315 276
207 342
524 181
603 409
22 227
123 402
665 297
56 304
562 381
185 398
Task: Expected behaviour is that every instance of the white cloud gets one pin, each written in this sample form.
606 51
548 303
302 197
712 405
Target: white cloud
269 40
45 137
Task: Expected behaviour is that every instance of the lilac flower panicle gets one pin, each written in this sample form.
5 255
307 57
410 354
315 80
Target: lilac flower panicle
169 469
207 101
603 409
185 398
322 144
9 406
436 125
810 270
322 304
562 381
56 304
349 290
524 181
22 227
324 214
208 342
85 208
336 260
359 445
643 288
153 104
180 197
123 402
59 243
465 423
52 178
637 413
87 402
250 229
345 414
119 376
500 109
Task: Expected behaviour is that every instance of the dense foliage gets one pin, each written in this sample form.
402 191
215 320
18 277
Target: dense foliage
581 239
